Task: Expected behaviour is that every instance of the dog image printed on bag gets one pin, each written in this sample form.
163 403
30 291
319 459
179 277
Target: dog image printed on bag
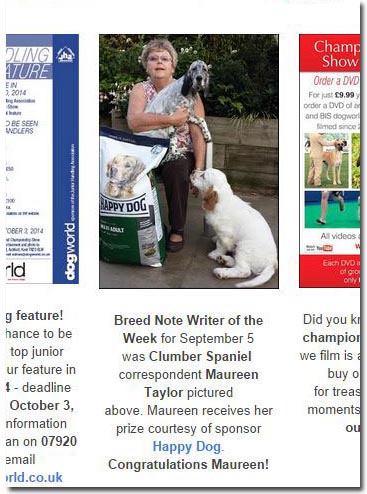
123 172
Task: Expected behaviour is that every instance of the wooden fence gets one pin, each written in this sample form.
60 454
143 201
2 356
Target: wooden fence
247 153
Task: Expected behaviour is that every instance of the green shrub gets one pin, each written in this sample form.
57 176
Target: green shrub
244 71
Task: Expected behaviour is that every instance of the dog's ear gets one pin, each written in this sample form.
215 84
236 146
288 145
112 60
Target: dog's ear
210 199
187 85
137 168
206 90
109 169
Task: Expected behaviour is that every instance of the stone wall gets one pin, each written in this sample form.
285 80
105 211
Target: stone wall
247 153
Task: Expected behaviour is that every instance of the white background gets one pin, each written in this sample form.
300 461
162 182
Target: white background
302 455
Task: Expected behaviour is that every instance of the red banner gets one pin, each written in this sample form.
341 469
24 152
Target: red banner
335 271
330 53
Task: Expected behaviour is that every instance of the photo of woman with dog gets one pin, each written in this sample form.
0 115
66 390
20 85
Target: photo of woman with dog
159 58
215 98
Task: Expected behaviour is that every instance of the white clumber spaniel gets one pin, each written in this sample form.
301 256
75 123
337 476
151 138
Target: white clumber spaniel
123 172
240 230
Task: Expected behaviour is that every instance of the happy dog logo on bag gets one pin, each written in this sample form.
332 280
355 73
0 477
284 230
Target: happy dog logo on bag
134 207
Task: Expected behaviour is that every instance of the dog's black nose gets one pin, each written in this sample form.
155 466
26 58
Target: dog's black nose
199 78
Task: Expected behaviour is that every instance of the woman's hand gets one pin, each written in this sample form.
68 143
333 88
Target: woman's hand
179 117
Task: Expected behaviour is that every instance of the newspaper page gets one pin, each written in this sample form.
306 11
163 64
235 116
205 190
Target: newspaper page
181 246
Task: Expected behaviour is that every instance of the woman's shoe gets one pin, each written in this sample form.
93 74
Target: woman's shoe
173 246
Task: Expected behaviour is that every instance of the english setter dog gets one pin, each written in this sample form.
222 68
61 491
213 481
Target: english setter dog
183 92
240 231
123 172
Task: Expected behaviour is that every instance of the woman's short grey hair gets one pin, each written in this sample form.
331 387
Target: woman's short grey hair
158 45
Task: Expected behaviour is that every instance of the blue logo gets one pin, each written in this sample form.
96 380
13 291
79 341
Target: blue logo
65 55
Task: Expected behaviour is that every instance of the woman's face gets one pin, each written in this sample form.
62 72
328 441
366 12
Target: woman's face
159 64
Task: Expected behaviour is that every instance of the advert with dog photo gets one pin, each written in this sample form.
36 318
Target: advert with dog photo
207 107
330 156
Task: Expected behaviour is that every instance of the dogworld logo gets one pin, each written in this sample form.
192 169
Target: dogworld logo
71 257
15 271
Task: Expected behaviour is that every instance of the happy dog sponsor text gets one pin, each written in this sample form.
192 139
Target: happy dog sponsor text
134 207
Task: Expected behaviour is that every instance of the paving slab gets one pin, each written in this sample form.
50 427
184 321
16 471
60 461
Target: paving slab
190 267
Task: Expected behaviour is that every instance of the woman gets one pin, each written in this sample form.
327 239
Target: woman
159 59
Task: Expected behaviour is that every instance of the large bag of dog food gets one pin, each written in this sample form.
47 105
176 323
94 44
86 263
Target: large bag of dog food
131 230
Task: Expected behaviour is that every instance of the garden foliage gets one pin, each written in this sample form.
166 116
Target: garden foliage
244 71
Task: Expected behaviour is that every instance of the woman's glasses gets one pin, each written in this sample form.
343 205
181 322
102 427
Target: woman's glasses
156 58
